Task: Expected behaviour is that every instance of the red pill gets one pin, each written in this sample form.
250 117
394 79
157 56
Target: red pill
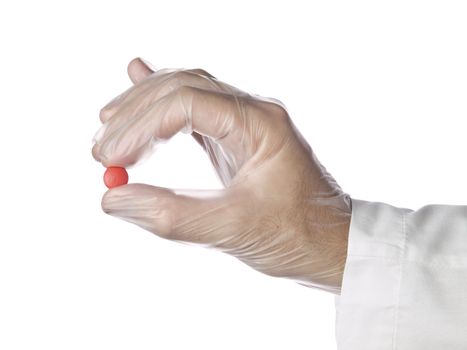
115 176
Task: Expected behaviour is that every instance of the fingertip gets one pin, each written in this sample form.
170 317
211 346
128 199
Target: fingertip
138 69
95 152
113 196
104 202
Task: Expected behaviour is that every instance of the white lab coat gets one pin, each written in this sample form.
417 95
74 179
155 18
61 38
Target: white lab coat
405 279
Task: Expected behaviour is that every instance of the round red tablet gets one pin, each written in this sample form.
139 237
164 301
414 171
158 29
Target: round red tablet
115 176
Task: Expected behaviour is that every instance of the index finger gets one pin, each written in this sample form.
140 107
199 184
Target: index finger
221 116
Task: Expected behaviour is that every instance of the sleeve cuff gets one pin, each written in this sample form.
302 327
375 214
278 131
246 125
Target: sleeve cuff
404 284
372 274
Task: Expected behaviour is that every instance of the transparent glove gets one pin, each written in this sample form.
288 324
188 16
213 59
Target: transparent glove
280 212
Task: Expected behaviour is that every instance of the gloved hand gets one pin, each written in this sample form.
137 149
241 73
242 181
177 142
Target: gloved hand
281 212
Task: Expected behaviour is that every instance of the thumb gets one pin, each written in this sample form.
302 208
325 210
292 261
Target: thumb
138 69
209 217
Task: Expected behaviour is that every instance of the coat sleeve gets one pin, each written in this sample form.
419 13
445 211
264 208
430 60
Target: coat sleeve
405 279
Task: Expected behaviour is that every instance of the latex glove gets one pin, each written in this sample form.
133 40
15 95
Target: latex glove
281 212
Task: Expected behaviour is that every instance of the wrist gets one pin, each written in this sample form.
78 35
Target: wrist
329 231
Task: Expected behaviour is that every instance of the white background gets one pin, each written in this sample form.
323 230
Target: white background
378 88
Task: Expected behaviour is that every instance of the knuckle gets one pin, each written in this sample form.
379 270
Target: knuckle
184 90
181 75
201 71
110 108
177 79
276 109
278 102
